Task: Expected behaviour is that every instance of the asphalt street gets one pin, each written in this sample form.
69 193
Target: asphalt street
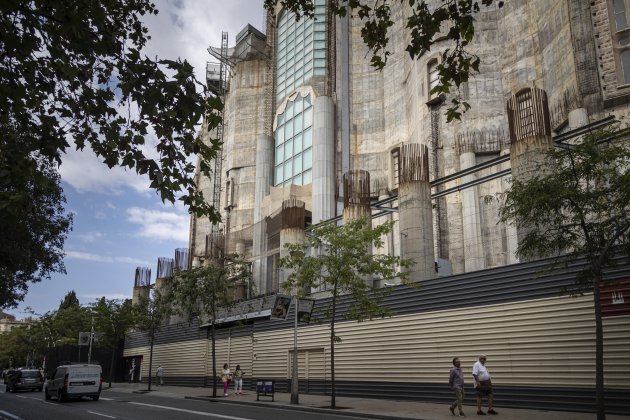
120 405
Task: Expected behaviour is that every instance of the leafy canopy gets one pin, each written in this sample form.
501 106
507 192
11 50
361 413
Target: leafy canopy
429 22
338 259
579 203
74 72
33 222
202 291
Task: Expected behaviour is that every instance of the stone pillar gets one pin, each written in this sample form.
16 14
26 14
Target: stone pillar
141 285
578 118
323 159
292 230
473 243
416 212
511 238
530 136
264 179
356 202
356 195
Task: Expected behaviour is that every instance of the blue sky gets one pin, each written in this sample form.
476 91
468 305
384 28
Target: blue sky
119 223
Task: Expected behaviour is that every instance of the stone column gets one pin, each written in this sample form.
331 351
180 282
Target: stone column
323 159
510 229
578 118
473 243
416 212
356 195
142 285
292 230
264 179
356 202
530 136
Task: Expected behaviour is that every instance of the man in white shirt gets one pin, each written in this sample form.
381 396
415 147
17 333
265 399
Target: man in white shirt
483 385
160 375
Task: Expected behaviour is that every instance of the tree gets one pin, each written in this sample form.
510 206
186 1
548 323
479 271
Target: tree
70 301
33 223
204 291
113 318
69 320
151 315
343 267
426 24
578 206
74 72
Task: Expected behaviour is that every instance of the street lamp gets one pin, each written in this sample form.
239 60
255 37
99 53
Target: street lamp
295 398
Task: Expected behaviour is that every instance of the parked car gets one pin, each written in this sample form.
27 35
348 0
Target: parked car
23 380
74 381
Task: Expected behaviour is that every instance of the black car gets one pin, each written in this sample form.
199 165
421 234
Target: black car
24 379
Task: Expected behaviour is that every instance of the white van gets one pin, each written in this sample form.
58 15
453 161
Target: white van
69 381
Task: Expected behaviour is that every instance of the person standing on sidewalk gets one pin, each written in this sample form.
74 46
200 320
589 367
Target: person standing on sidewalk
483 385
160 375
238 380
225 377
456 382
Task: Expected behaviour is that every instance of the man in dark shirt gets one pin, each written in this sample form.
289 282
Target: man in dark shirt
456 382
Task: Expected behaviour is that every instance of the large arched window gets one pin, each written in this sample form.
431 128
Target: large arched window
294 141
301 56
301 50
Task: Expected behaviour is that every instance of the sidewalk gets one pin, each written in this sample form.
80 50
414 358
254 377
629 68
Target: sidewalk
360 407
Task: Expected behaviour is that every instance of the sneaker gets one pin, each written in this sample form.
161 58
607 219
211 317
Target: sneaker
225 395
491 411
461 414
480 413
452 410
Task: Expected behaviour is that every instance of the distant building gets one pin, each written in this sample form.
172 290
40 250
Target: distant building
8 322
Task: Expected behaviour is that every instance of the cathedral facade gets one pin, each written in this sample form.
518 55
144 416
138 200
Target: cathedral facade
304 108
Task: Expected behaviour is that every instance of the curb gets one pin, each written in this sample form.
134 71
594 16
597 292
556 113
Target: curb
299 408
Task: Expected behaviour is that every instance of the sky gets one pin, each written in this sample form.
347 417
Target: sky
119 223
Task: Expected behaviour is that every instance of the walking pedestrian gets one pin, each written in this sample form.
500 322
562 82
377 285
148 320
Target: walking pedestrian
238 380
160 375
483 385
226 378
456 382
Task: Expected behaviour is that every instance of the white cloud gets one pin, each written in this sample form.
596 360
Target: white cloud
86 256
86 173
90 237
160 225
196 25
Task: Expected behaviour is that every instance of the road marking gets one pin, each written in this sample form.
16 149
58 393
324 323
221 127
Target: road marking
99 414
199 413
108 399
9 415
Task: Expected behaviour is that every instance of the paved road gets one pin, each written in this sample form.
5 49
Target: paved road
128 406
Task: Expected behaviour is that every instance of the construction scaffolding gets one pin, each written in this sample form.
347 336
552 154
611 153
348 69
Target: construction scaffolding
218 86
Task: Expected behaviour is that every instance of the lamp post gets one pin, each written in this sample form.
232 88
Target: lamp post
295 398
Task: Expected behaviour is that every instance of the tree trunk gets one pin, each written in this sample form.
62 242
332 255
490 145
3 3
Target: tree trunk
214 362
599 349
332 348
151 339
111 365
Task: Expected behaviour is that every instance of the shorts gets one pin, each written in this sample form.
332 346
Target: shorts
484 388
